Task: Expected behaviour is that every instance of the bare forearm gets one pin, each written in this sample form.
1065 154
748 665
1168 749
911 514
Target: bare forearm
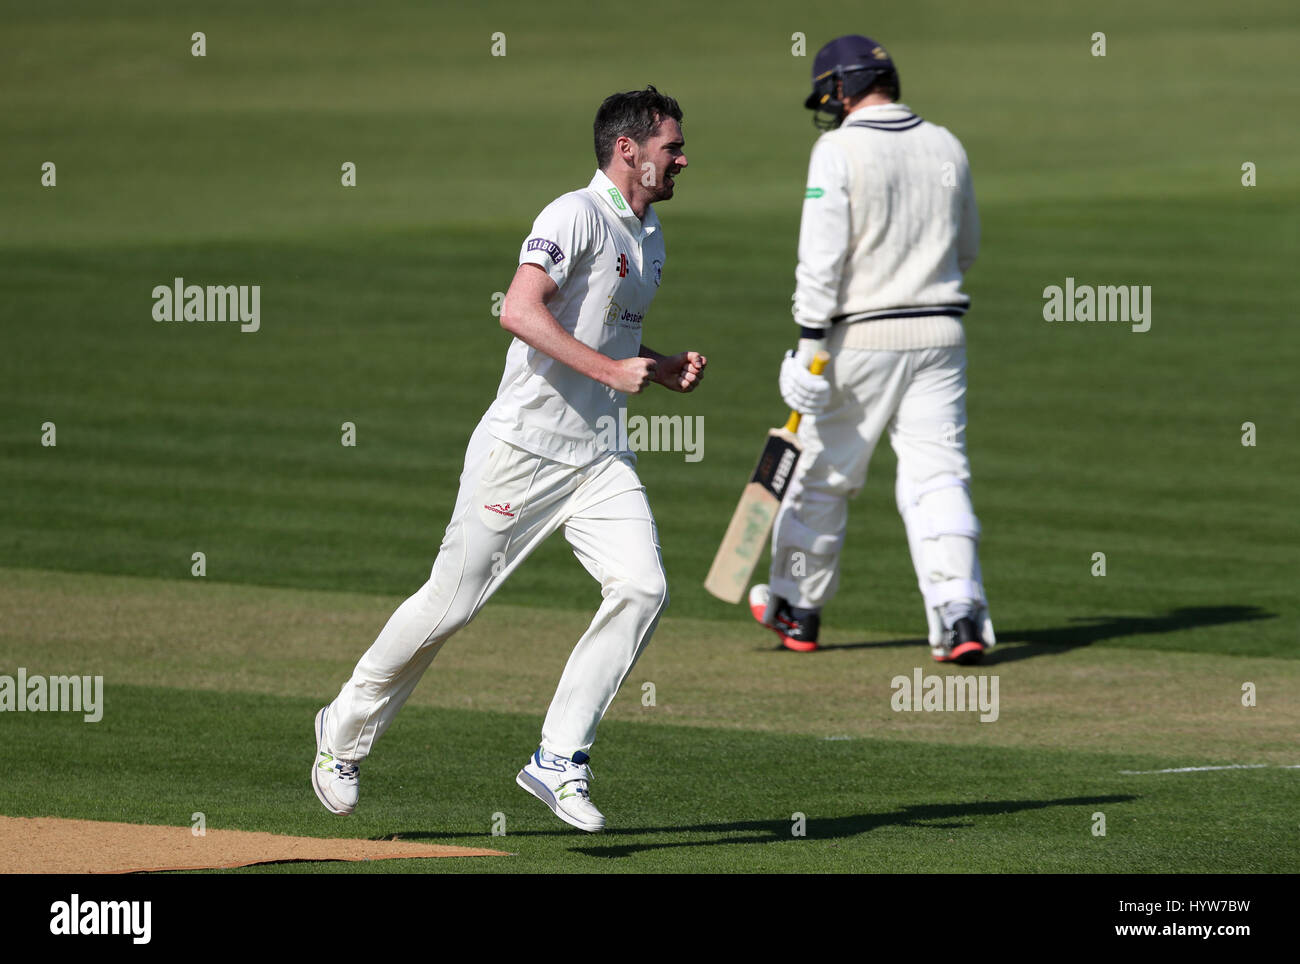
534 325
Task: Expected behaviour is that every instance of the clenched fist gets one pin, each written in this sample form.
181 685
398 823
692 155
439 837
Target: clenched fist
682 373
631 375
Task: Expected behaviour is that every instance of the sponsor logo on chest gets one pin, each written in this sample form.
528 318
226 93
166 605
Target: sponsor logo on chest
616 314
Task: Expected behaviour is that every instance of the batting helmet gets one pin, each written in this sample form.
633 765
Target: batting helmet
854 61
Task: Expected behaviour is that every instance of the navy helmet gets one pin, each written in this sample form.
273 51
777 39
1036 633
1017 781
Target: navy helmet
856 62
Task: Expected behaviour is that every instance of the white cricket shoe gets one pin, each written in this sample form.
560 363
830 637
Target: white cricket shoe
561 784
336 782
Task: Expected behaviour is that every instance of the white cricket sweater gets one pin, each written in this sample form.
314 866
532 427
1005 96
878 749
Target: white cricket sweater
889 227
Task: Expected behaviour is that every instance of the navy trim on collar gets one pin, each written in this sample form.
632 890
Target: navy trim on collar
900 124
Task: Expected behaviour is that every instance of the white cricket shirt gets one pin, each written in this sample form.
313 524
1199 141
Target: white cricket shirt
608 264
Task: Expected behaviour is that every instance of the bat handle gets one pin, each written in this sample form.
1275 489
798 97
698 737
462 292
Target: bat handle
818 365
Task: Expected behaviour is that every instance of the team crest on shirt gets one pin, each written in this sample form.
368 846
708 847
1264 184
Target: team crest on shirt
550 248
659 271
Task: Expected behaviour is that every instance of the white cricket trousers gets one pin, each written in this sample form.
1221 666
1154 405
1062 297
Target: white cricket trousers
509 502
919 395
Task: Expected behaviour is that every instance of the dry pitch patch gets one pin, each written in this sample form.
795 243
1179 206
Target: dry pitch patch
1183 707
52 845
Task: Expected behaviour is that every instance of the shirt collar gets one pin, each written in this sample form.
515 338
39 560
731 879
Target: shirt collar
879 112
613 198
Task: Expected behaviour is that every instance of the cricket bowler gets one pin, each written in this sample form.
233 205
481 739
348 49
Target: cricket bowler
588 271
889 228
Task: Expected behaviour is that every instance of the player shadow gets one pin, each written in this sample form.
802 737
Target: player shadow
1082 631
916 641
1086 630
929 816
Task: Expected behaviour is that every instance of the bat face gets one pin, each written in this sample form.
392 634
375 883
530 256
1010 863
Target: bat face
746 536
776 464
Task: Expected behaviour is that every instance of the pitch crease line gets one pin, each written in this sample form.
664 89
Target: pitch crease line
1230 766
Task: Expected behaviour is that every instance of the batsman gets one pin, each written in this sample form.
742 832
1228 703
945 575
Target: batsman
889 228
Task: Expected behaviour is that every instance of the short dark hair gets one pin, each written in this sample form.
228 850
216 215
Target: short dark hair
635 114
887 85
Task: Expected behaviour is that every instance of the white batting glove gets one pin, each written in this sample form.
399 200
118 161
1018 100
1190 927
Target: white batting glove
803 391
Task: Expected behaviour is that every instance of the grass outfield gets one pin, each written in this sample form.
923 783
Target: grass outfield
376 309
711 776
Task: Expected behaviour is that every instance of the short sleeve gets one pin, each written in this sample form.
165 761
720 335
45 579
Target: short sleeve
560 238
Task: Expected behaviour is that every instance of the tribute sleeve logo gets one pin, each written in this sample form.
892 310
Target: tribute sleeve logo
550 248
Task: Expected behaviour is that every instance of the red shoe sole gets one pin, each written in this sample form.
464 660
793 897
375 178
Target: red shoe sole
794 645
967 653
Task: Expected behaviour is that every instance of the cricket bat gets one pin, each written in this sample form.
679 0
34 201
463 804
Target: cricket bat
747 533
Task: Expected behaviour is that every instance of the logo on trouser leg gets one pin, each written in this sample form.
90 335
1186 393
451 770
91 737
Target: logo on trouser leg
500 509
